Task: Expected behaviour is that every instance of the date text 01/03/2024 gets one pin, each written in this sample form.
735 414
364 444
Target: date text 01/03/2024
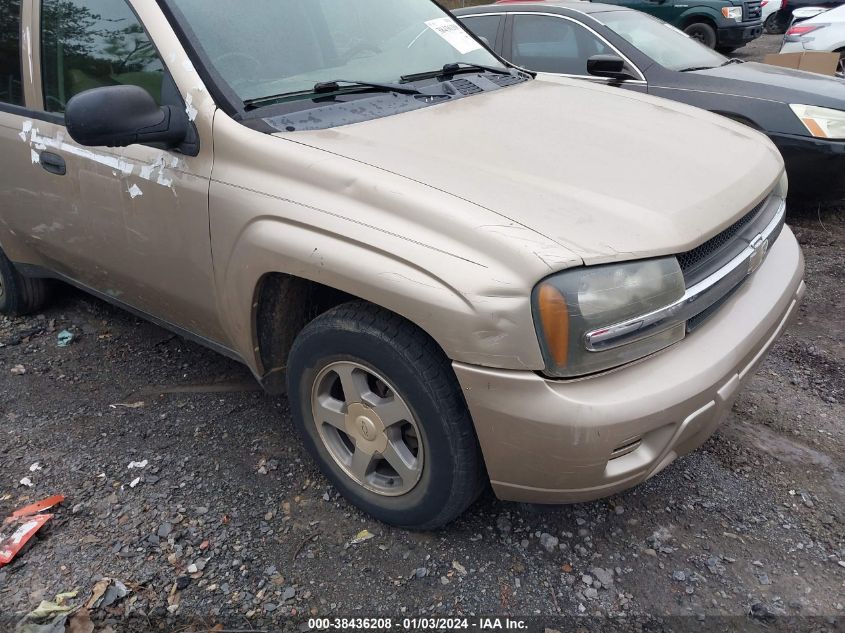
418 624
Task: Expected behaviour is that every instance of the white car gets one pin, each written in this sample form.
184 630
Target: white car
824 32
805 13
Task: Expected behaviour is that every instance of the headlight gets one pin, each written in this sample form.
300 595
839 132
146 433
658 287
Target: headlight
732 13
571 304
821 122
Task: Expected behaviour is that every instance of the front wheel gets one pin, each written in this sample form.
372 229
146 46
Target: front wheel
379 408
702 32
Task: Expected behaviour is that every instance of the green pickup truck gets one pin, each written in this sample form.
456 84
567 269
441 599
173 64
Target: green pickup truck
722 24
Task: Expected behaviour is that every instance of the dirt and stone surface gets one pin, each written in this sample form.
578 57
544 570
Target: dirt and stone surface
227 520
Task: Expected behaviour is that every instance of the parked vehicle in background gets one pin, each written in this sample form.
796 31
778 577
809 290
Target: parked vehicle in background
768 14
803 113
823 32
456 273
784 15
722 24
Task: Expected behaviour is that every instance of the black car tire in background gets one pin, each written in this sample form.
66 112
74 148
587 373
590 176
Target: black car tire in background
772 25
702 32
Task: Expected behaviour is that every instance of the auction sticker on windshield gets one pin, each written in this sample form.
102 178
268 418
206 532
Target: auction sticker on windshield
455 35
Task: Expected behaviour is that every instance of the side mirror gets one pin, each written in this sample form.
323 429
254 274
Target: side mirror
117 116
607 66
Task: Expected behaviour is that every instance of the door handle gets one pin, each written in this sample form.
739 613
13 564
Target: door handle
53 163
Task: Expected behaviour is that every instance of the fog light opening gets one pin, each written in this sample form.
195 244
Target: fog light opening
624 449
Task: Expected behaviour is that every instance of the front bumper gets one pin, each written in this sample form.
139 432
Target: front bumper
547 441
739 35
815 166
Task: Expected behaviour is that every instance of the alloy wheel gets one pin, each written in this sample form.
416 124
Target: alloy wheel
367 428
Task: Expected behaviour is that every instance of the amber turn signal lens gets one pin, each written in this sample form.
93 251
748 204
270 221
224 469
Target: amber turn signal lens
554 315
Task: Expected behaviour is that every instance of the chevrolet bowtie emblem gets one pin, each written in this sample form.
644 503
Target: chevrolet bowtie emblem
759 248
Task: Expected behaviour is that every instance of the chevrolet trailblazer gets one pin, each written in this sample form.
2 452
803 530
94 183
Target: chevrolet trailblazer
459 274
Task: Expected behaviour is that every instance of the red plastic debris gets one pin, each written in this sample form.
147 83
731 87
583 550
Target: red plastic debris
19 528
36 507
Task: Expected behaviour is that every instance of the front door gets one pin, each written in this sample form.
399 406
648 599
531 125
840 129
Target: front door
19 194
559 46
128 223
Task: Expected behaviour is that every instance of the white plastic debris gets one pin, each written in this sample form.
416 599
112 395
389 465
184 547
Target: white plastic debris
126 405
142 464
363 535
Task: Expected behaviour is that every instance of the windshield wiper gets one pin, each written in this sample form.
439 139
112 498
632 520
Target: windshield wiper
339 84
454 68
336 85
734 61
694 68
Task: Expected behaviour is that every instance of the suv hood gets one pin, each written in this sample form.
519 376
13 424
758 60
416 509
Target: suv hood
610 175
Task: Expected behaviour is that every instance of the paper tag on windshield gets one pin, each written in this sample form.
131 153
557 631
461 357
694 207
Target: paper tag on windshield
455 35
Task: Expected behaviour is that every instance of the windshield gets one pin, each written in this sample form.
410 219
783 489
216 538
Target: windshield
276 47
665 44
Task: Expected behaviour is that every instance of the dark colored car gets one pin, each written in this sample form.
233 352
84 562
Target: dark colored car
721 24
802 113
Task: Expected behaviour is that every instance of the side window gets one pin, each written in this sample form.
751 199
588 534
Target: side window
554 45
89 44
485 27
11 85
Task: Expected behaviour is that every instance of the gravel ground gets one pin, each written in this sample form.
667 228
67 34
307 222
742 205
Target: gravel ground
230 522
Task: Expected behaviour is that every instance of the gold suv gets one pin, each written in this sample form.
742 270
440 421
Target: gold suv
458 273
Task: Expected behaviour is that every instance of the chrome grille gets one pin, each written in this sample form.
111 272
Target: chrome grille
752 10
698 263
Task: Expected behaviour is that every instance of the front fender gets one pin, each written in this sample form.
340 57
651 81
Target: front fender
463 277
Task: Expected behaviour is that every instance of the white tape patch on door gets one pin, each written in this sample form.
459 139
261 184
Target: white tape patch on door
455 35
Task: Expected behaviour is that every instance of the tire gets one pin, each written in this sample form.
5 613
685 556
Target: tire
771 25
20 295
726 50
702 32
386 363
